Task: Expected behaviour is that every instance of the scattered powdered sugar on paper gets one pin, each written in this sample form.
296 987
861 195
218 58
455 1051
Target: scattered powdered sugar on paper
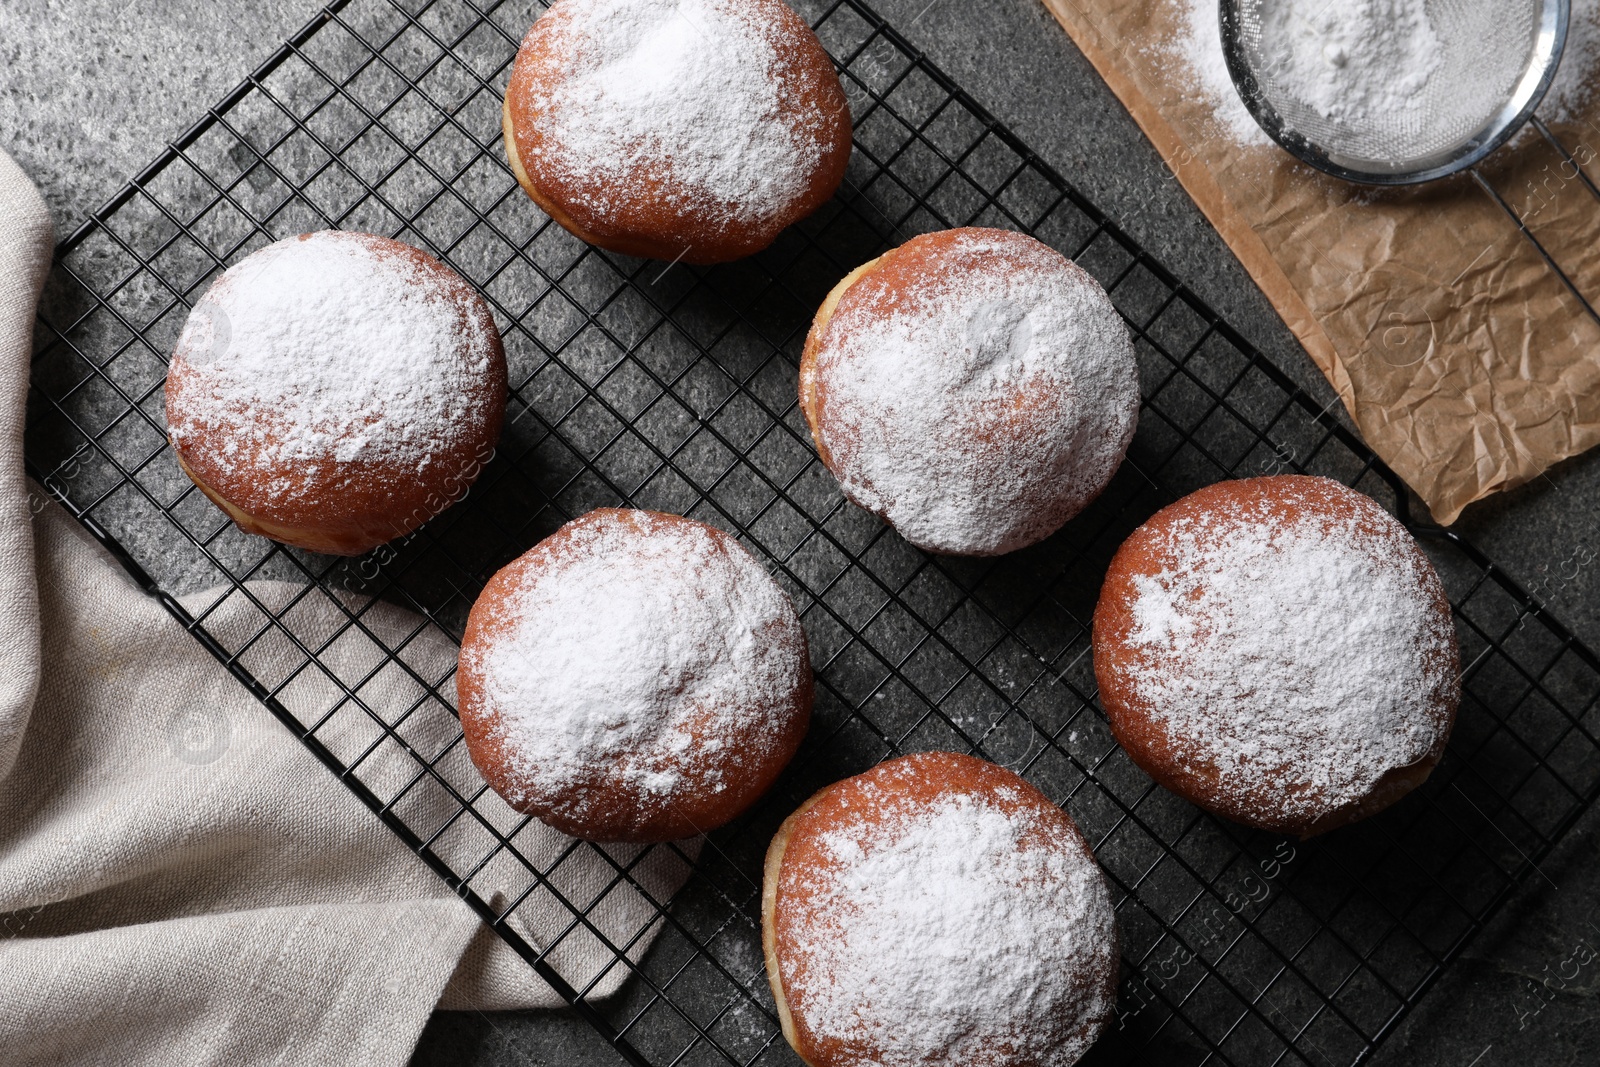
1298 649
685 96
1200 46
1350 59
324 347
988 408
1573 90
634 654
949 932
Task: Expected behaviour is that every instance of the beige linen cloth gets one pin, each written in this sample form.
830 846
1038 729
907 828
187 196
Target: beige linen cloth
226 901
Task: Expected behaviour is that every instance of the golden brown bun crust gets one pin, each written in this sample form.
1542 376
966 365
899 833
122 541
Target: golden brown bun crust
609 812
772 870
348 508
646 224
811 388
1140 731
798 846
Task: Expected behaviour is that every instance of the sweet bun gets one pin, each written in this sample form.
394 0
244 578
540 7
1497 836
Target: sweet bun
937 909
334 391
1278 651
973 388
691 130
633 677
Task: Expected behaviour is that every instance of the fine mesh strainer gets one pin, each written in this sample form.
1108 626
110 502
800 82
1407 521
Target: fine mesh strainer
1376 91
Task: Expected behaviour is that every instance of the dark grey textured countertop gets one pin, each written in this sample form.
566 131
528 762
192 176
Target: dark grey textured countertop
91 89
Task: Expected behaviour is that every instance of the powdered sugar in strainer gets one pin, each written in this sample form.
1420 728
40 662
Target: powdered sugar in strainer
1392 92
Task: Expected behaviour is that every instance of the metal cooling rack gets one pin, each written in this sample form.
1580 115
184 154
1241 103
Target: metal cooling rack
673 388
1497 177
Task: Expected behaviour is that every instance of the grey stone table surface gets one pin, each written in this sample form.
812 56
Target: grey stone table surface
90 90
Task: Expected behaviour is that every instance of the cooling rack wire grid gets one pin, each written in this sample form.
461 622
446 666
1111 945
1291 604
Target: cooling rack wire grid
674 388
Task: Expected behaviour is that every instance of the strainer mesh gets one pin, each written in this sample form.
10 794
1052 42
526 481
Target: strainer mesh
1467 71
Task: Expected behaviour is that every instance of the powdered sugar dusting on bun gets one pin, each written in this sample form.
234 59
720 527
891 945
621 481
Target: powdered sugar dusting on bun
700 118
974 388
634 676
1280 650
940 910
340 382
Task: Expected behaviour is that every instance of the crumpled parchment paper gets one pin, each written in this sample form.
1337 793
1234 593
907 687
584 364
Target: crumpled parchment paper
1466 362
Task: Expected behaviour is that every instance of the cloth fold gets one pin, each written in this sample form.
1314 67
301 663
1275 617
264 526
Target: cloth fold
25 240
181 881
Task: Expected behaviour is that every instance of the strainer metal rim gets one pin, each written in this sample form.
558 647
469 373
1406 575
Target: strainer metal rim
1554 17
